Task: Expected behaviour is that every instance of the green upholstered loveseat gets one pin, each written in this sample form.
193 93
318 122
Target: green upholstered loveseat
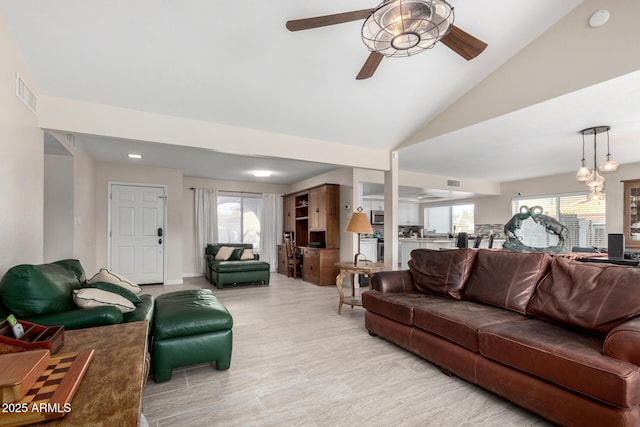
234 270
43 294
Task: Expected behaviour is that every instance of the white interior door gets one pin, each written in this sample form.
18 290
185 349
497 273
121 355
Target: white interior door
137 232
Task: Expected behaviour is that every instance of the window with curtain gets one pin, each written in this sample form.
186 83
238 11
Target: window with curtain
443 219
239 219
585 220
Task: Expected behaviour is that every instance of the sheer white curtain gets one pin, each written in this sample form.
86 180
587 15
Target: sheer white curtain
206 222
270 228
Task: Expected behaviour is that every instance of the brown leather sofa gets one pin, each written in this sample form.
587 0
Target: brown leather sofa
556 336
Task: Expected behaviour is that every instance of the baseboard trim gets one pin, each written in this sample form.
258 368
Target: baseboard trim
184 275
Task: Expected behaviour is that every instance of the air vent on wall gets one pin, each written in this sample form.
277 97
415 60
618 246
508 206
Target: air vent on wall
453 183
26 95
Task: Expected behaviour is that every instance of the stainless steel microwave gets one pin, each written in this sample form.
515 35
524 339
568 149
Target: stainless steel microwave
377 217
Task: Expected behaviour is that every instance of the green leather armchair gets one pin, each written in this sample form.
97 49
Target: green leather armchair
234 270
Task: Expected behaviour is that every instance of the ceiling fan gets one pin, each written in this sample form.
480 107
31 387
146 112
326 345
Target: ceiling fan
401 28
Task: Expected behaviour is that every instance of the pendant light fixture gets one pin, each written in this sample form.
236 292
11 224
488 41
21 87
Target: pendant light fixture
608 165
592 177
583 172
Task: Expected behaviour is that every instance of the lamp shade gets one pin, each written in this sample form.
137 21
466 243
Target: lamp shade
359 223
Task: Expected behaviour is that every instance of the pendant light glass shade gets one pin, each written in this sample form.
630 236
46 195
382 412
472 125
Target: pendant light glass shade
608 165
595 196
595 180
583 173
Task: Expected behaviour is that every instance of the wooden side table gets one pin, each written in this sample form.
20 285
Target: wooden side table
112 389
362 267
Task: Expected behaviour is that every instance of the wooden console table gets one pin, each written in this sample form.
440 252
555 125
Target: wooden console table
363 267
111 391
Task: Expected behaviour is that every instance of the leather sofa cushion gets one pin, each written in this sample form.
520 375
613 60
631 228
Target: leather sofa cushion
234 266
594 297
190 312
143 311
459 321
213 248
506 279
397 306
28 290
443 272
568 358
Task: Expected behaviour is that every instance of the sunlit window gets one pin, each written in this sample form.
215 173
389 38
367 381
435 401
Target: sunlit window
239 220
585 220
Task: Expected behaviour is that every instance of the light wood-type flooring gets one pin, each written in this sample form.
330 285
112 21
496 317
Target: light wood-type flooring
296 362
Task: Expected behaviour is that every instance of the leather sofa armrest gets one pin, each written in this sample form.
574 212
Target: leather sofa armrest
623 342
392 281
79 318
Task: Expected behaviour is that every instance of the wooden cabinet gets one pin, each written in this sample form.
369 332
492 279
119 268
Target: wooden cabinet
316 223
315 213
632 213
289 215
282 260
317 209
319 265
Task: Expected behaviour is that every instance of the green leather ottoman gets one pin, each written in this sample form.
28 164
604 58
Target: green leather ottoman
190 327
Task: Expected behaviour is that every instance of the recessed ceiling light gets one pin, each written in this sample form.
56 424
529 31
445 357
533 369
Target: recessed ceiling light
134 156
262 174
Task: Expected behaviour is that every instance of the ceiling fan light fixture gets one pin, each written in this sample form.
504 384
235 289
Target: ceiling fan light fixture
398 28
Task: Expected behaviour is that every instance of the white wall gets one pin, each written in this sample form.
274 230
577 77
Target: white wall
84 210
58 207
21 164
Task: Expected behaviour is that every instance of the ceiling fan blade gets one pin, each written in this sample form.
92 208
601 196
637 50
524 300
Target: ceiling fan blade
323 21
370 66
463 43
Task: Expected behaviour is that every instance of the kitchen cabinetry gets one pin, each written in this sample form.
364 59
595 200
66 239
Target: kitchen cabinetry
318 265
405 251
369 248
409 213
405 247
632 213
369 205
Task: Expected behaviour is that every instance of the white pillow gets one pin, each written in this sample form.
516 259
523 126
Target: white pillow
104 275
224 253
247 254
93 297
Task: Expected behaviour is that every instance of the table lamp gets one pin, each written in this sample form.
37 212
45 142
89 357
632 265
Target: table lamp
358 223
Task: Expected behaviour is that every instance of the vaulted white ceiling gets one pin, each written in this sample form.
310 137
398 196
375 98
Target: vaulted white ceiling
234 63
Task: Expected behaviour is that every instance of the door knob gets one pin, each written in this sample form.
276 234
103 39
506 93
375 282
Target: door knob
160 241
